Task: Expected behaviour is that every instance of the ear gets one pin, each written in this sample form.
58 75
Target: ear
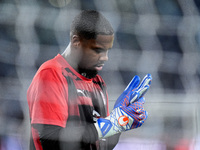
75 41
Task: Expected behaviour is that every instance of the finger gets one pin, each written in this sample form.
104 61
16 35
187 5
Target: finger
142 117
136 124
140 111
135 99
133 83
138 94
141 100
145 116
141 89
134 96
146 81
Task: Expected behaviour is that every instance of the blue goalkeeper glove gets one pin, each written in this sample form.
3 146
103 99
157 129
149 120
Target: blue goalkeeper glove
134 91
121 119
141 89
128 112
126 93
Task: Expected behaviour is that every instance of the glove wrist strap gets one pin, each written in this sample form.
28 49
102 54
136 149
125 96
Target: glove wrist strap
117 122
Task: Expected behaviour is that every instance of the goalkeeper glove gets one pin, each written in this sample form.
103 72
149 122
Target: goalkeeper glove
136 90
128 112
121 119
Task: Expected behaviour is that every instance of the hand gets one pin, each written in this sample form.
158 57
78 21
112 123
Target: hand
122 119
133 92
136 111
122 99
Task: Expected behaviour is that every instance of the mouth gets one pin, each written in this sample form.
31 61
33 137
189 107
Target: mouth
99 67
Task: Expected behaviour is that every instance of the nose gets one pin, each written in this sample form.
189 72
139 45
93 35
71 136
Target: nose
104 56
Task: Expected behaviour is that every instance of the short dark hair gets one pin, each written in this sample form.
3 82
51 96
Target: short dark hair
90 23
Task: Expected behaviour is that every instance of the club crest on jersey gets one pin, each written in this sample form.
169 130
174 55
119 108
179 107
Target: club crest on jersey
123 120
96 115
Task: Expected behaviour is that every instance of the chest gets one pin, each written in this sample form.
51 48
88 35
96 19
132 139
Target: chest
87 101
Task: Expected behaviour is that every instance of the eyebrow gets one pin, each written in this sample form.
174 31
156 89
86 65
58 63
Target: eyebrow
99 48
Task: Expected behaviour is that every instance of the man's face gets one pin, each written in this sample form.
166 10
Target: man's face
94 53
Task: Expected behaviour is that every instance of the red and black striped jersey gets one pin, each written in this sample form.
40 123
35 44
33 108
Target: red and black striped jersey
58 94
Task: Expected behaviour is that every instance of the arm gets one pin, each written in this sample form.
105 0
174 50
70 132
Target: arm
48 135
72 137
54 137
112 141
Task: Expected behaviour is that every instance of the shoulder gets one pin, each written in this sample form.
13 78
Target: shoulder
49 70
51 65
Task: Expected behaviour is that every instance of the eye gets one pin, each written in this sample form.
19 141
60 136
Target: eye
98 50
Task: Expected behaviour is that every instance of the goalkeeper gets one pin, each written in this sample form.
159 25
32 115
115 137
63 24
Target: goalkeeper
68 101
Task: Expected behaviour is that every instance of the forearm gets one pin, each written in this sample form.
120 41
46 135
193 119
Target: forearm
72 137
112 141
77 136
48 136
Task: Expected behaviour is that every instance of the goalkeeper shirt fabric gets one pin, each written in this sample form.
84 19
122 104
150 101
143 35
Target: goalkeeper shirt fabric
58 94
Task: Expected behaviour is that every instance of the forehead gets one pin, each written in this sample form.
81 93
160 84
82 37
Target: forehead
104 40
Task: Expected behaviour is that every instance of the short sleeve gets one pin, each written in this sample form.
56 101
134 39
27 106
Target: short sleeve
47 98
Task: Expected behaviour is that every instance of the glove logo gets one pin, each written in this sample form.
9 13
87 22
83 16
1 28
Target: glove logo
123 120
105 125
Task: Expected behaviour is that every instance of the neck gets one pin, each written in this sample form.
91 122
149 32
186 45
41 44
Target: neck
70 57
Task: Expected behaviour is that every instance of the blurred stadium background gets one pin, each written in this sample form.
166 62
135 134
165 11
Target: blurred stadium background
161 37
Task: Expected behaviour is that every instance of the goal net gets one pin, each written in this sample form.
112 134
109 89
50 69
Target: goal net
160 37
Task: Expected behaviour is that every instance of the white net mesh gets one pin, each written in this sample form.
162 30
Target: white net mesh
152 36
